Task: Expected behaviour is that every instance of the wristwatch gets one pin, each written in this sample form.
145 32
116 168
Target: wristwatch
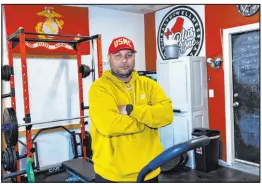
129 109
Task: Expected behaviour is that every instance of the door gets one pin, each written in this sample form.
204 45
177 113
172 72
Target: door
246 95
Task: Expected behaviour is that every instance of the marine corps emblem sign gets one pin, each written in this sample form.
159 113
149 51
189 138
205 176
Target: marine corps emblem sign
52 23
48 20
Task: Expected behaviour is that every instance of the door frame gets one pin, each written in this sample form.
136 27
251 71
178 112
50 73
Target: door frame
228 84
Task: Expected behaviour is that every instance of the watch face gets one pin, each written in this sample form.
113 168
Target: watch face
247 9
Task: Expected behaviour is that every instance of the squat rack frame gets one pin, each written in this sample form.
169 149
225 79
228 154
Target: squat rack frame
19 37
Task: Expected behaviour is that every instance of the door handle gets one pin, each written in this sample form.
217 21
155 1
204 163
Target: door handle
235 104
235 94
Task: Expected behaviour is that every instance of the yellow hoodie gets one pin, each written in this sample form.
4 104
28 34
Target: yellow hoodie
123 144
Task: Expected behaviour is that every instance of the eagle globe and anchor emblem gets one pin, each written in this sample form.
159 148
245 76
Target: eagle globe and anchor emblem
51 25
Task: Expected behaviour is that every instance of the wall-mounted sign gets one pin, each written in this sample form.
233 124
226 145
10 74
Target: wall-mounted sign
183 24
48 19
247 9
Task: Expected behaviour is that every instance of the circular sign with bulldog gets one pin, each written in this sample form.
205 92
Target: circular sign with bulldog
183 26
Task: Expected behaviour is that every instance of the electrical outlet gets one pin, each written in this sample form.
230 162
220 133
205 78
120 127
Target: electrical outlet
211 93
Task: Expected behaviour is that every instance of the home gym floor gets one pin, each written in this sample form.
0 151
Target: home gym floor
222 174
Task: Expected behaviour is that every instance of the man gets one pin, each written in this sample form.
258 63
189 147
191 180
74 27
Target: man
126 111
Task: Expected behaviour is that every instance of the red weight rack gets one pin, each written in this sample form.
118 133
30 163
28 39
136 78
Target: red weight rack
19 37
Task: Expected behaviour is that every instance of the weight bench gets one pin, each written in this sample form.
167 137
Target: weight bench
80 169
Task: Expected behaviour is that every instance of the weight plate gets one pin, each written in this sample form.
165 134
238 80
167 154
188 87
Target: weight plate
9 117
9 159
6 73
85 70
5 160
14 158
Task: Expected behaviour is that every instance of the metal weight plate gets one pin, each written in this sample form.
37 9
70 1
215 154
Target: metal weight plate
85 70
9 159
6 72
9 117
9 163
5 160
13 158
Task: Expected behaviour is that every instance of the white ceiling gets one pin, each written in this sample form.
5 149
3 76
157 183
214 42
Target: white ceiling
143 9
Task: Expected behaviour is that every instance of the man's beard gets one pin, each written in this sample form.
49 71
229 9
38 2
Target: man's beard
122 75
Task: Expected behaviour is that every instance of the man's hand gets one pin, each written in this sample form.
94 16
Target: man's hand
122 109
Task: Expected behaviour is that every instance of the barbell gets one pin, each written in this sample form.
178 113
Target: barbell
7 71
10 125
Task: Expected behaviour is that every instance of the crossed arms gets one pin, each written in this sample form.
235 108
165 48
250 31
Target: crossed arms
107 119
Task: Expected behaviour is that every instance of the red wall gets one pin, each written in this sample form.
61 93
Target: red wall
150 41
217 18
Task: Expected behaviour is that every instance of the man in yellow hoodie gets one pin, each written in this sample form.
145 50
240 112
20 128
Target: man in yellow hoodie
126 111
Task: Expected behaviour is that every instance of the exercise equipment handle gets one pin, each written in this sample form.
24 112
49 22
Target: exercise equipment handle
171 153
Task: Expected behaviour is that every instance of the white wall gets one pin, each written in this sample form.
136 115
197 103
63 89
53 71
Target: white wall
53 85
112 24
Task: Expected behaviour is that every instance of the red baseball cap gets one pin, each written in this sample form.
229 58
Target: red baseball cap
120 43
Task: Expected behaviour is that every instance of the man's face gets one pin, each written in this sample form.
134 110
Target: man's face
122 62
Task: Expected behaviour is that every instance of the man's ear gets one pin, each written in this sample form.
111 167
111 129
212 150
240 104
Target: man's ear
109 59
